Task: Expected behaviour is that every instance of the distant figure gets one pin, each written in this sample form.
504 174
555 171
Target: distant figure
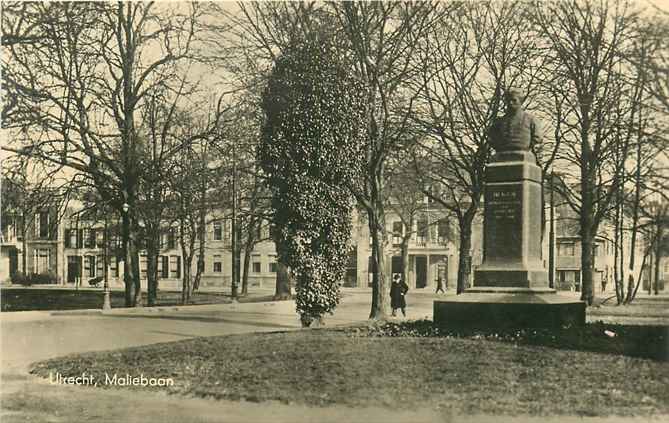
440 286
517 130
398 290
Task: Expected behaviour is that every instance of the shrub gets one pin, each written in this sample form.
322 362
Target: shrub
315 115
19 278
45 278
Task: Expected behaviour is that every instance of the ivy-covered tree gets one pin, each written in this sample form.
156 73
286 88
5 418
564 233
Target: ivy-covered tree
315 117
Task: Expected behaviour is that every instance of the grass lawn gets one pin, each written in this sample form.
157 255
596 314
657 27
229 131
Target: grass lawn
25 299
657 306
578 371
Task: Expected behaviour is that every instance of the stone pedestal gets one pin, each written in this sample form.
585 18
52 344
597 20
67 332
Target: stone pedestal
511 286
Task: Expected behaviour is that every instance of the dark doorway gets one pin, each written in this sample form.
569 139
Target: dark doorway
442 273
73 268
421 271
396 265
13 262
351 278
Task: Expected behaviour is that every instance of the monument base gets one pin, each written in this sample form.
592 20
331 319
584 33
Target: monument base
508 308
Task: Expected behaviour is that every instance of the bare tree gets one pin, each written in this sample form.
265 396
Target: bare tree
28 190
380 37
585 39
81 85
466 62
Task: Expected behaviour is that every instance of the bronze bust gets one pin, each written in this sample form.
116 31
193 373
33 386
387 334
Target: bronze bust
517 130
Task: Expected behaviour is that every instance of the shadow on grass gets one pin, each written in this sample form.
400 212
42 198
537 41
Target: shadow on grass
204 319
650 342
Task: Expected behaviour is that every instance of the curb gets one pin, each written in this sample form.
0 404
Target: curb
44 314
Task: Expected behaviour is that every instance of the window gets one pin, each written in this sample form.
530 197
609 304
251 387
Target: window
143 264
443 231
218 231
89 238
42 260
398 231
100 238
259 231
89 266
43 225
272 264
171 239
101 266
422 232
164 267
256 266
598 249
218 264
175 267
69 238
565 249
113 266
227 229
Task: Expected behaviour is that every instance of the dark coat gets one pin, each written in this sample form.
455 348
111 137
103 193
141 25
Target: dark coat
397 291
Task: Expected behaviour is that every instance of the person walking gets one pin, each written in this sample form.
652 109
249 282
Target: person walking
440 286
398 290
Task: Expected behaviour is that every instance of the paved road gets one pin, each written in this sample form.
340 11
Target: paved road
32 336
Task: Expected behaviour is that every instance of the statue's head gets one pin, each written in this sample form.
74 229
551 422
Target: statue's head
514 99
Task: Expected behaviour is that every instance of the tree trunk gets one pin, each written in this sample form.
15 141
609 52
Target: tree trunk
587 232
201 229
380 289
635 216
130 263
618 282
659 236
283 282
404 251
187 286
24 260
464 251
248 249
587 242
200 257
651 267
632 289
247 263
152 252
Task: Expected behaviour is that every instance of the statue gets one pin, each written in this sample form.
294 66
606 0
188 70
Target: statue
517 130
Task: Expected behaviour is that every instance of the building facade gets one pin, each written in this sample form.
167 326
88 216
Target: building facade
74 252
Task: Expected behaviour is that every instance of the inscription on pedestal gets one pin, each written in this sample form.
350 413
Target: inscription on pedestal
503 221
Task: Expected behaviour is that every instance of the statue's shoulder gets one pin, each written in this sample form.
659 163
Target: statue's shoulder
534 120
